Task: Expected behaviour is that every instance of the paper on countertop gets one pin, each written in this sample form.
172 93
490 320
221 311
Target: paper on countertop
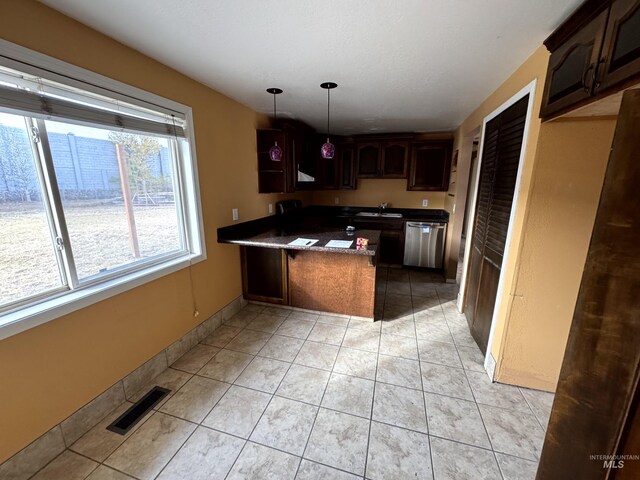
302 242
339 243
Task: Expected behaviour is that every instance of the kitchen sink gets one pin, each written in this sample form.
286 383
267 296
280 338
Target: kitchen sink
375 214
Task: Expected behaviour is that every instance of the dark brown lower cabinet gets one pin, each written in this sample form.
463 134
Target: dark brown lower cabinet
264 274
391 237
392 247
498 174
595 411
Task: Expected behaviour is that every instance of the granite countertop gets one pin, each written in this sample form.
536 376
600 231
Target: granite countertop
322 223
281 237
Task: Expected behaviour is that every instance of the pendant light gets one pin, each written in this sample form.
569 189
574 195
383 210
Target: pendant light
328 150
275 152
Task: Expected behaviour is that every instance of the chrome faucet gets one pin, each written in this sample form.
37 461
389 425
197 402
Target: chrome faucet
381 207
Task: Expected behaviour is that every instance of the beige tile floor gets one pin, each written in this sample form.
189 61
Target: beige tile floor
279 394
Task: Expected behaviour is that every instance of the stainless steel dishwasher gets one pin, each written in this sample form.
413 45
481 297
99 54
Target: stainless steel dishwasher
424 244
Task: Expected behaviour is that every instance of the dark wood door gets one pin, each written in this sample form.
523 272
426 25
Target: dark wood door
429 166
498 175
368 159
620 60
572 68
595 411
394 159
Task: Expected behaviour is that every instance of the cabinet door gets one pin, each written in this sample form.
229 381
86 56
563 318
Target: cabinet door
394 159
347 155
429 166
392 247
572 68
264 274
307 161
272 176
368 160
328 170
620 60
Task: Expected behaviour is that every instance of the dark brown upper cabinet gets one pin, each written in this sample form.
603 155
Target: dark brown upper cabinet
275 177
300 146
368 159
594 53
394 159
337 172
429 166
347 154
620 58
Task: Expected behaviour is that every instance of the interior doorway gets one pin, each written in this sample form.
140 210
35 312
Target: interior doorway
470 189
490 219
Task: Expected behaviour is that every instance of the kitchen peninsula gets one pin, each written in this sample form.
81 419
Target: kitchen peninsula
317 276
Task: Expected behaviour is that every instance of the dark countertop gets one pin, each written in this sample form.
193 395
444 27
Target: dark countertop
280 238
412 214
323 223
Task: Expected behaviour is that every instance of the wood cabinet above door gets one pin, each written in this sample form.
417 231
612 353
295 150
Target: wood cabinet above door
620 58
572 67
594 53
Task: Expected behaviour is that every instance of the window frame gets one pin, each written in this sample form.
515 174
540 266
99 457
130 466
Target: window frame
41 308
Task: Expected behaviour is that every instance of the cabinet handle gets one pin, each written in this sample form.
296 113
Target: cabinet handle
597 75
585 87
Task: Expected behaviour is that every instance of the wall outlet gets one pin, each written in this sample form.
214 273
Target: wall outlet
234 214
336 200
425 203
271 208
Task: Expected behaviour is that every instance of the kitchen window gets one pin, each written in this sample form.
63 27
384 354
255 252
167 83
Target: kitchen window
98 192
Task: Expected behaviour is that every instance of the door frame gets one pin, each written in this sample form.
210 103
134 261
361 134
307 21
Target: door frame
530 89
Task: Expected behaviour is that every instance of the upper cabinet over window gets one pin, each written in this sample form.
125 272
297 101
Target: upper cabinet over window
594 53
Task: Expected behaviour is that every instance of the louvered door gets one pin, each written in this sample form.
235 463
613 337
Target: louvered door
498 174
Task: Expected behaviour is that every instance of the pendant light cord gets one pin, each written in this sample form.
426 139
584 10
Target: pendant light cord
275 110
328 109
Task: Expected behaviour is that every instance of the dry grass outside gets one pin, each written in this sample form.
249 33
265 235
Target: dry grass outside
99 239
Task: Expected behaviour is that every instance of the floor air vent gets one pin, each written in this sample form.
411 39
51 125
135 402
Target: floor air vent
128 419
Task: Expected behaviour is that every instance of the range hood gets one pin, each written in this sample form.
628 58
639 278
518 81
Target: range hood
303 177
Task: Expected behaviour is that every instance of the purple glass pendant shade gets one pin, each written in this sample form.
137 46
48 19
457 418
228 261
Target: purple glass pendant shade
328 150
275 153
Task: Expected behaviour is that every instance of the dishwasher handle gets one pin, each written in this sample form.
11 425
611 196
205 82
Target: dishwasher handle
425 224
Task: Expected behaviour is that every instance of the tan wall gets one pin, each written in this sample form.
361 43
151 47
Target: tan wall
534 68
51 370
561 180
570 165
372 191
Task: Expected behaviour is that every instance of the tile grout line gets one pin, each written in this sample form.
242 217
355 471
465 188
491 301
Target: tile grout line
375 381
475 401
272 397
306 445
424 400
248 439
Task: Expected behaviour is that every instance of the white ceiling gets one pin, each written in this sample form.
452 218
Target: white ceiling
401 65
